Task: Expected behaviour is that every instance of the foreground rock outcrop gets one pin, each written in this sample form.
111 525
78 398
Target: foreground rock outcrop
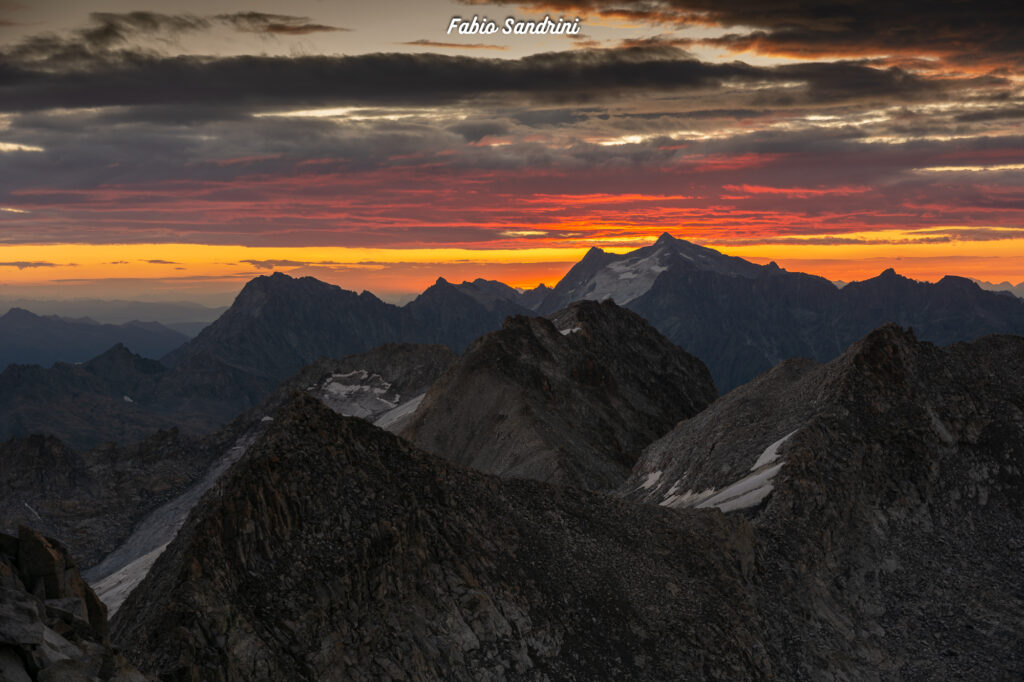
570 400
53 628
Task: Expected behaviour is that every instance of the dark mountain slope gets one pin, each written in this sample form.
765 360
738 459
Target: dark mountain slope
83 405
742 326
91 500
336 551
885 490
570 400
456 315
94 498
887 548
277 325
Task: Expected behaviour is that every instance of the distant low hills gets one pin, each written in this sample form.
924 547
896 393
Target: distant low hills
1015 289
27 338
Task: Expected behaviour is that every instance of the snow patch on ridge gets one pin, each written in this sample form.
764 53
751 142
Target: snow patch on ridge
687 499
116 587
749 491
771 453
651 479
393 420
358 394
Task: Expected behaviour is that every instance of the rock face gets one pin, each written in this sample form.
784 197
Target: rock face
571 400
52 626
742 319
456 315
335 551
885 489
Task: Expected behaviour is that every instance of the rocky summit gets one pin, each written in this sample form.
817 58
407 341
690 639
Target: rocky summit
571 400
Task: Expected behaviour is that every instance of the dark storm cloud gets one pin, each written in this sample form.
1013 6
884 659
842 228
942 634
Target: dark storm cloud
422 42
474 131
275 24
110 29
113 40
574 76
841 27
991 115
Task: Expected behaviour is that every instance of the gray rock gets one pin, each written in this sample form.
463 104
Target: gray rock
20 623
571 400
61 638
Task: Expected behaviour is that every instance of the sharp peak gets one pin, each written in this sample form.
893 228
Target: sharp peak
666 238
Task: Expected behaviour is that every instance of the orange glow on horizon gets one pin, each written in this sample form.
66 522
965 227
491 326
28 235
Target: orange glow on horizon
75 270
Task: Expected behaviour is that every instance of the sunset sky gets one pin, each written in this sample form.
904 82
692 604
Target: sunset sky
177 149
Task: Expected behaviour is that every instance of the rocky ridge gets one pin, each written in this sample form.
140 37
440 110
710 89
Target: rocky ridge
570 400
885 491
334 550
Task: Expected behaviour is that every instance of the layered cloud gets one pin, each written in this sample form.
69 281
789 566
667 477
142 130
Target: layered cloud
842 127
965 33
